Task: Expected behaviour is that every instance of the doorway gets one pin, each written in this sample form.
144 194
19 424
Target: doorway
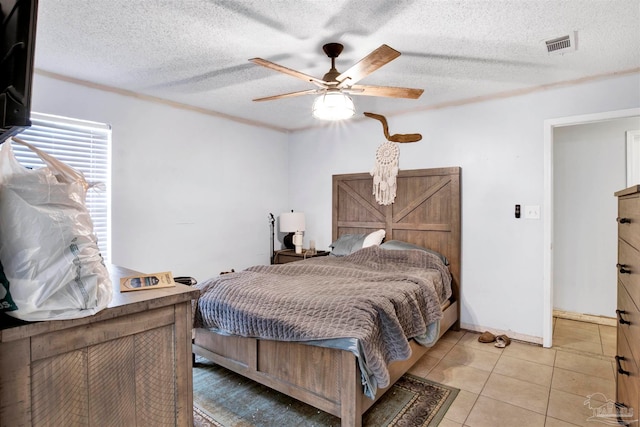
548 222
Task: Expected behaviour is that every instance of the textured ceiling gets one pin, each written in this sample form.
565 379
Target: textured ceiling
196 52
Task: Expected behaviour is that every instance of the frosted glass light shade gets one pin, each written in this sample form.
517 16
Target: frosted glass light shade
333 106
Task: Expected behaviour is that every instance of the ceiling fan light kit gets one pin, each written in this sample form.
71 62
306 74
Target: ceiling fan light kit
334 88
333 105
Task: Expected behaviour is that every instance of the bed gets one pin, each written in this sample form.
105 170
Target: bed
426 212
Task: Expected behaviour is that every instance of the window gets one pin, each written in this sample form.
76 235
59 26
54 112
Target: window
83 145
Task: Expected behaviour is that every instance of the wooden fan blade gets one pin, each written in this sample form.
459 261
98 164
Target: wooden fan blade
288 95
285 70
387 91
367 65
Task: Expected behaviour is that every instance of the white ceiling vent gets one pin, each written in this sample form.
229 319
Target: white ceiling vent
563 44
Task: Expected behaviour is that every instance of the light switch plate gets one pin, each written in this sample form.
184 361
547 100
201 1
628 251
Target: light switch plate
532 212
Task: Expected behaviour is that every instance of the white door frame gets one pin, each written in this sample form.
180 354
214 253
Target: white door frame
549 125
633 157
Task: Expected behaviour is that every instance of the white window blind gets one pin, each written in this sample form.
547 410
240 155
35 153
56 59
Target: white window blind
83 145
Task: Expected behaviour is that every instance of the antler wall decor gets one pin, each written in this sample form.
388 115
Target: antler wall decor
386 167
398 137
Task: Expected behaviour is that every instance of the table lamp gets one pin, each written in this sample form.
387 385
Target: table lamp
292 223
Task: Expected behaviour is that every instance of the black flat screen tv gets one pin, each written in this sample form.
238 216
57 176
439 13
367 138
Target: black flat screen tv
17 50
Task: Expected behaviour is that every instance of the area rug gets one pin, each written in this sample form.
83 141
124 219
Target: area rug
224 399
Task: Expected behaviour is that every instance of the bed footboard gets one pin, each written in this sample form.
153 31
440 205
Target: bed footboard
326 378
314 375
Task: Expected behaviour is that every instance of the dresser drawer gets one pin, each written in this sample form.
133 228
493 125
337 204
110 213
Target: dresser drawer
628 337
629 209
627 376
629 270
628 312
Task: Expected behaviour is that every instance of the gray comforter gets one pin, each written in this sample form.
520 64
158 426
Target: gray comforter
381 298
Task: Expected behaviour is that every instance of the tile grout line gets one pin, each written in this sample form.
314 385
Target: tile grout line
553 372
600 339
463 343
466 418
459 342
475 402
483 387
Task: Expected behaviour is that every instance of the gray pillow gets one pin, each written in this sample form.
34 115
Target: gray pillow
399 245
346 244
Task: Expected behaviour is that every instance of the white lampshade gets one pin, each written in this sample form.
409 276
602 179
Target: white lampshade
333 105
290 222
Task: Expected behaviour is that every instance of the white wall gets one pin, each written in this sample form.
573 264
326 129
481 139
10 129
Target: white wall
589 166
191 193
499 145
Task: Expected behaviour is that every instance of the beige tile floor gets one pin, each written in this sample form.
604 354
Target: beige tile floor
524 384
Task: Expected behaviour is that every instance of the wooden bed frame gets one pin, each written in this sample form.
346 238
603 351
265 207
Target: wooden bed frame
426 212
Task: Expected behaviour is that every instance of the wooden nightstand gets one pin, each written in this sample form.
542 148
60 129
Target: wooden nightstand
289 255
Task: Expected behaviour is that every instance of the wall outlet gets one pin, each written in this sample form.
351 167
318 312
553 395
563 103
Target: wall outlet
532 212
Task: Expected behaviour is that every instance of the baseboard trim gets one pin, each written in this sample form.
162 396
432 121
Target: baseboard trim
590 318
513 335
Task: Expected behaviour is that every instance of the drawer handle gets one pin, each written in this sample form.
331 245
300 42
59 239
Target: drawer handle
623 268
620 319
620 370
623 220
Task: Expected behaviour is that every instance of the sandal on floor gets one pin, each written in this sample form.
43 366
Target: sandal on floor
486 337
502 341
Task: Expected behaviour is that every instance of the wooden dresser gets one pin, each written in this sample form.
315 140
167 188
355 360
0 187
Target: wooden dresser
628 312
128 365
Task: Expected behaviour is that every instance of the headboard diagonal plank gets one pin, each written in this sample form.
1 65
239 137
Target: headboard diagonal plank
397 217
426 211
363 202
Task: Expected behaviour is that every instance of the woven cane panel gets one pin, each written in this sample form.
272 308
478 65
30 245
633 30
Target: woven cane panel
112 383
155 377
59 390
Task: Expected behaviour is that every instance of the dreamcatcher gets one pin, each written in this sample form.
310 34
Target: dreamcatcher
384 173
386 168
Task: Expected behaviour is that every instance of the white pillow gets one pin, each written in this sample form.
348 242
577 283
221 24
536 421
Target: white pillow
374 239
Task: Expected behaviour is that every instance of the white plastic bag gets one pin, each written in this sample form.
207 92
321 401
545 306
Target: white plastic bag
48 249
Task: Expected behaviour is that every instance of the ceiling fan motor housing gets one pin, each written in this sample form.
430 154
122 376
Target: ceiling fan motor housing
333 50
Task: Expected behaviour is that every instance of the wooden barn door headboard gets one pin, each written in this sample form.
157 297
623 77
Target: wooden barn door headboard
426 211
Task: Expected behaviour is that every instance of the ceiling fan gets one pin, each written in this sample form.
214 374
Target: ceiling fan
335 86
